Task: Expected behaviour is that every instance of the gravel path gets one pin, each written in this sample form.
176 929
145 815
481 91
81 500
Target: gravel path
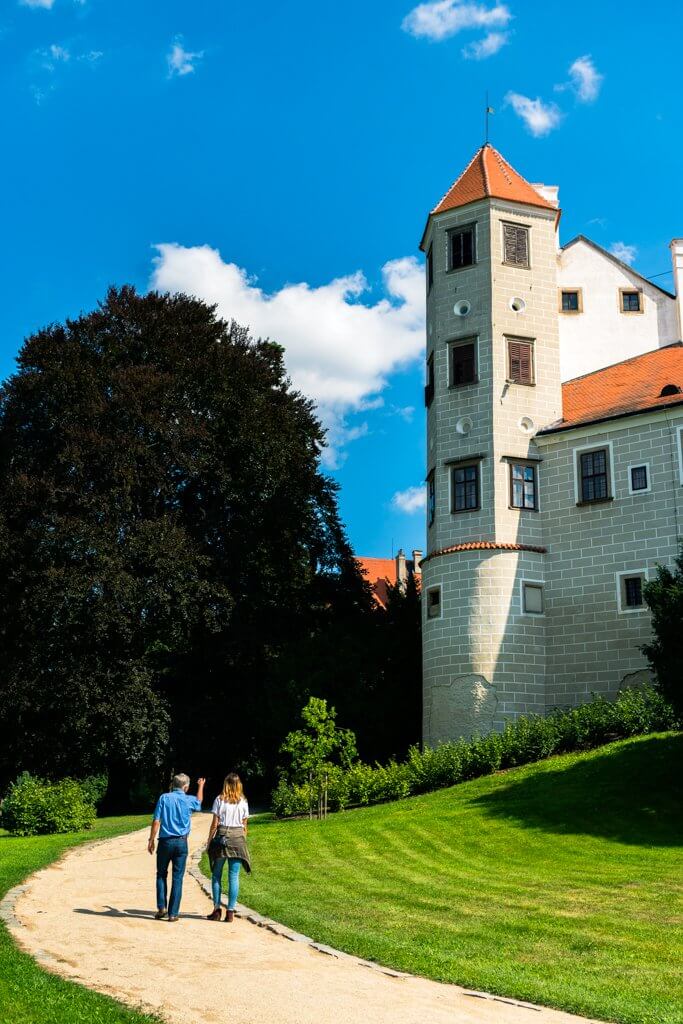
89 918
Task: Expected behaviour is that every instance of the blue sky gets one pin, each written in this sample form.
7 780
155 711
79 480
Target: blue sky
284 158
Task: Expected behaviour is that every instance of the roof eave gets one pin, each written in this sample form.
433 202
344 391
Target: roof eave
604 419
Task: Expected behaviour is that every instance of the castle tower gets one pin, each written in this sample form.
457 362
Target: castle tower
493 379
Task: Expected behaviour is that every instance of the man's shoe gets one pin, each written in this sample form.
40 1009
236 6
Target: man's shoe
172 918
160 915
215 914
229 916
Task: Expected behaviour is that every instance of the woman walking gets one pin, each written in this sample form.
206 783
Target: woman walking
227 842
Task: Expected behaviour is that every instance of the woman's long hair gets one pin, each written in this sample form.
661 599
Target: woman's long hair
232 791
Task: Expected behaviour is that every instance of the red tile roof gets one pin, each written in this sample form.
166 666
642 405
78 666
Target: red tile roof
485 545
379 571
488 174
623 389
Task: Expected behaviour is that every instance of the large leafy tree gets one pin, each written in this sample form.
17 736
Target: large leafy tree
664 596
165 530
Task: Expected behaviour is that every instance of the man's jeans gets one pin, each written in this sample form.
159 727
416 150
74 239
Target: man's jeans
172 850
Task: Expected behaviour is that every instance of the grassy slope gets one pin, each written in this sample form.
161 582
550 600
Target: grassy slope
559 882
27 994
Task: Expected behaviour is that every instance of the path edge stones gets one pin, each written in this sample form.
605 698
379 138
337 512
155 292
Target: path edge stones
253 917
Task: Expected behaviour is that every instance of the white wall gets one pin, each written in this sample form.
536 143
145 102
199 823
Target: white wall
602 334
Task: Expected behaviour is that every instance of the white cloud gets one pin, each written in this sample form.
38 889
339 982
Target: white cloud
540 118
480 49
412 500
338 350
59 53
181 61
586 80
46 4
623 252
441 19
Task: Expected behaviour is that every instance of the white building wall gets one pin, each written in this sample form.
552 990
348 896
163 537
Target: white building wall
602 335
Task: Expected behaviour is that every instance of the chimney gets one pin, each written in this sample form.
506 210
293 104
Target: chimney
401 568
417 563
677 261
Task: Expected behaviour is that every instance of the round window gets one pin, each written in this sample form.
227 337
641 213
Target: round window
462 308
517 304
464 425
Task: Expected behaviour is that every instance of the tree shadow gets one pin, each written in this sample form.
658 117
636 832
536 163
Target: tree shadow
631 794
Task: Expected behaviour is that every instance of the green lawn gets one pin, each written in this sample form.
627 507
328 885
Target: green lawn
27 994
559 883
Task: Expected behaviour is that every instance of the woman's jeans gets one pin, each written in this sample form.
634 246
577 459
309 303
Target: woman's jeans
234 865
172 850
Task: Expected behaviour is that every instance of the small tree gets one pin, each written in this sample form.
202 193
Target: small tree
664 596
316 750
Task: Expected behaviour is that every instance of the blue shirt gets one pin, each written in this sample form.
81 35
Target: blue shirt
174 811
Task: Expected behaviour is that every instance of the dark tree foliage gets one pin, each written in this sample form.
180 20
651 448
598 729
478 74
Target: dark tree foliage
369 668
165 533
664 596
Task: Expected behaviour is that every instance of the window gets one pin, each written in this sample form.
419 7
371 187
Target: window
515 245
532 597
465 488
520 361
463 363
594 476
461 246
434 603
430 268
429 386
639 479
631 300
523 486
571 300
431 498
630 591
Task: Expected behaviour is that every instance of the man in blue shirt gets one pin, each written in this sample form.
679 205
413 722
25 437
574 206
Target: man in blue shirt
171 823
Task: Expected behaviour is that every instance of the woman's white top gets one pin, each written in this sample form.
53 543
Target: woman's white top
231 815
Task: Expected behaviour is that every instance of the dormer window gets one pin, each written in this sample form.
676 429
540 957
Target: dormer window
631 300
515 245
669 390
461 248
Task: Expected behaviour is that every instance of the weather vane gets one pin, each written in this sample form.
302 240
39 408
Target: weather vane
489 111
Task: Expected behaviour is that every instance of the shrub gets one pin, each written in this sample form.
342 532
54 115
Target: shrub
36 807
664 596
528 739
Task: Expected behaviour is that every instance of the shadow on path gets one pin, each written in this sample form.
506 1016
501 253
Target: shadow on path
147 915
633 794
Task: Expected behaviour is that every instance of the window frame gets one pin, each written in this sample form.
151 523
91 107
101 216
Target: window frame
431 590
679 433
639 490
584 449
431 498
526 464
538 584
513 339
524 227
465 464
579 294
641 301
430 385
430 267
459 230
620 577
454 343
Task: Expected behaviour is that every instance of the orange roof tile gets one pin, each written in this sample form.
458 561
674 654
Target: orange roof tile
623 389
488 175
378 571
485 545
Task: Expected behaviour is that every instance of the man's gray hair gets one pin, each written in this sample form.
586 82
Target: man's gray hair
180 781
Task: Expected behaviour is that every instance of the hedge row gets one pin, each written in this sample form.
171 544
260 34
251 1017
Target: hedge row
523 741
35 806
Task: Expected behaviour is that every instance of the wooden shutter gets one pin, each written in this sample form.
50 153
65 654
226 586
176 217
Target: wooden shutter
520 362
516 245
